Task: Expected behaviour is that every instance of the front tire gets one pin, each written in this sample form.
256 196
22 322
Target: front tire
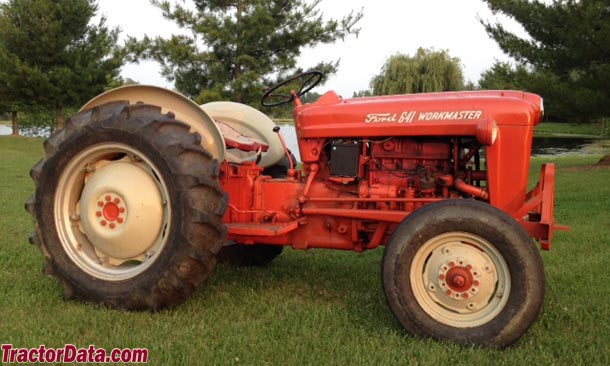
463 271
128 209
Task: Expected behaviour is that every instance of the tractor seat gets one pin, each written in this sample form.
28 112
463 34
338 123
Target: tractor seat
240 148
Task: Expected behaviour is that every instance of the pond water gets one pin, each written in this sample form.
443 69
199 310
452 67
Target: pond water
553 146
542 146
29 132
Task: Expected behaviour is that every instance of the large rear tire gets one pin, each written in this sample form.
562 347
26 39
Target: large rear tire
128 209
463 271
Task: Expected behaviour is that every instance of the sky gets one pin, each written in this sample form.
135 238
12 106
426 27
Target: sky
388 27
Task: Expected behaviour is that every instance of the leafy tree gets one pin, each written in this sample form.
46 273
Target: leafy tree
503 76
119 81
362 93
50 54
568 45
427 71
8 107
238 46
470 85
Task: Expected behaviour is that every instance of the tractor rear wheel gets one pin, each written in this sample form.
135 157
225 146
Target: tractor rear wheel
128 209
463 271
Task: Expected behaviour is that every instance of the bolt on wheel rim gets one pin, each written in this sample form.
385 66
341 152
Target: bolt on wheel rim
112 211
460 279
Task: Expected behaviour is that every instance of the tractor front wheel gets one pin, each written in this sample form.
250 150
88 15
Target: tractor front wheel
128 207
463 271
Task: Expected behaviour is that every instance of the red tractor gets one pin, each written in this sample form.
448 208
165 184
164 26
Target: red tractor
143 190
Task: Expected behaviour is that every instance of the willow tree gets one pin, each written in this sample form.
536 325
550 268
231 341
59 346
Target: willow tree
235 47
427 71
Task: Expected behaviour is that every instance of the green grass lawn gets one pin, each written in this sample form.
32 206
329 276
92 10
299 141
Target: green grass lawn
310 307
582 129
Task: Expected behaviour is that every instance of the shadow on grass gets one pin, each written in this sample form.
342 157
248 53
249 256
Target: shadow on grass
342 281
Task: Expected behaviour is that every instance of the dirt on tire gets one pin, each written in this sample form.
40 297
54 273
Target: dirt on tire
510 241
195 233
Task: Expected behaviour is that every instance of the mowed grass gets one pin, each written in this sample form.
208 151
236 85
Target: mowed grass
556 128
316 307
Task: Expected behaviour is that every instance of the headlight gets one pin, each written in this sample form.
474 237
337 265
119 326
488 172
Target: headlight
487 132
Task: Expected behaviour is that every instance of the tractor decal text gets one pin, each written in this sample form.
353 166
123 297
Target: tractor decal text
455 115
404 117
409 116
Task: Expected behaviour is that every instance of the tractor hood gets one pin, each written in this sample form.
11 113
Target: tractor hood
440 114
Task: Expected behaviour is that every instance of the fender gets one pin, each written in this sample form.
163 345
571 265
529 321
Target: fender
184 109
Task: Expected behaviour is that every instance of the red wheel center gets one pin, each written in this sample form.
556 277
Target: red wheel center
459 279
111 211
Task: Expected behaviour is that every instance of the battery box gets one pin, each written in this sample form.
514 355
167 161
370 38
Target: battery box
344 158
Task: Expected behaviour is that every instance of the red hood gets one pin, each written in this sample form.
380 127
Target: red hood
448 113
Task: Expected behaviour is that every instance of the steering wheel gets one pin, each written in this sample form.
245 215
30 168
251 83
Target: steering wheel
308 80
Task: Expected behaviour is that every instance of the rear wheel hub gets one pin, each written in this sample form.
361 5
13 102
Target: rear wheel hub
112 211
121 210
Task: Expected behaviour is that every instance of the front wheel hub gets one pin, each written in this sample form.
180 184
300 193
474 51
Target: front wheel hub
460 279
121 210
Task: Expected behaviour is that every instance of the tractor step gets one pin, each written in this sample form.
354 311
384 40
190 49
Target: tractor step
250 229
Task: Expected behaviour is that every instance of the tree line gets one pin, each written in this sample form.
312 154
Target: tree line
53 57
